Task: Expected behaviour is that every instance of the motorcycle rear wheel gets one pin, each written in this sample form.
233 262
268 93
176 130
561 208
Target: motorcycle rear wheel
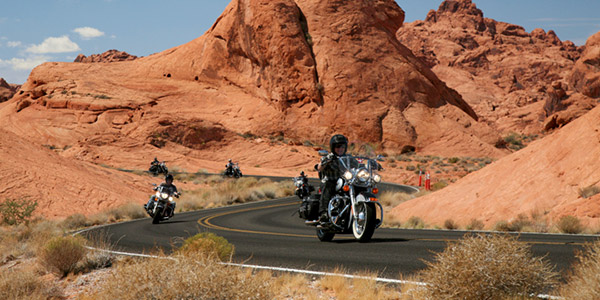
363 229
324 235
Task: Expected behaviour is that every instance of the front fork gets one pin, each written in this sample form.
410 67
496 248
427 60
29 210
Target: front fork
364 198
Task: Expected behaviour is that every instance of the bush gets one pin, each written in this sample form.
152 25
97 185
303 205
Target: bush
61 254
589 191
17 211
584 280
209 245
415 222
24 284
475 224
450 224
487 267
181 278
570 224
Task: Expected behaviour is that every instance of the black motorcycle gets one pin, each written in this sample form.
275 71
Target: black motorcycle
353 207
163 205
309 207
233 171
158 168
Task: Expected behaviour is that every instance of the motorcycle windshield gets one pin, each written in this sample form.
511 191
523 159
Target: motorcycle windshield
165 189
357 166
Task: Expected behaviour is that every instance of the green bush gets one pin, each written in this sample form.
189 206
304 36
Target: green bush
570 224
208 244
17 211
61 254
487 267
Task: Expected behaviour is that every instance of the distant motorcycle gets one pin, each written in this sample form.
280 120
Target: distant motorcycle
310 205
162 208
233 171
353 208
158 168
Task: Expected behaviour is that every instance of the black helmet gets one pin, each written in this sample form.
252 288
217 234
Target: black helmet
302 173
169 176
338 140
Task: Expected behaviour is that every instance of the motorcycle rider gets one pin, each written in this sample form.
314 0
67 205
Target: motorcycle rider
329 168
229 167
170 186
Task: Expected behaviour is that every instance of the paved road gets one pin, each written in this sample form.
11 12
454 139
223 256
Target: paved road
270 233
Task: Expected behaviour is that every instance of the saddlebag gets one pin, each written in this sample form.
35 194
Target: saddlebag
309 208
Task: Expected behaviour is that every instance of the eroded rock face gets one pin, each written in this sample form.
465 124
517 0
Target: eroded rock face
106 57
303 70
7 90
586 74
506 74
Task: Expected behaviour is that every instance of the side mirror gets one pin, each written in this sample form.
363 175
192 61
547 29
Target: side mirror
323 152
379 157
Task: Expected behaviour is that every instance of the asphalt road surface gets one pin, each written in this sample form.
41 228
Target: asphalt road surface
270 233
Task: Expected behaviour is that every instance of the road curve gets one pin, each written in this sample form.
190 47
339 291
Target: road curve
270 233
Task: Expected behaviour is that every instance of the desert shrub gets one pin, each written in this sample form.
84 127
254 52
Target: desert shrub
75 221
450 224
61 254
181 278
127 211
414 222
14 212
487 267
208 244
25 284
393 198
518 224
569 224
475 224
439 185
584 280
410 168
453 160
589 191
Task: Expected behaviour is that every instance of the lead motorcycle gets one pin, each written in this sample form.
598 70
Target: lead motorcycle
234 171
163 206
158 167
353 208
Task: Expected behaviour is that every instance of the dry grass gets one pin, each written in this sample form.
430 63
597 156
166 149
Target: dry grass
185 277
475 224
487 267
584 280
450 224
339 287
25 283
589 191
227 192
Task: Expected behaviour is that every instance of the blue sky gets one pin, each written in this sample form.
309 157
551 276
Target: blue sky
36 31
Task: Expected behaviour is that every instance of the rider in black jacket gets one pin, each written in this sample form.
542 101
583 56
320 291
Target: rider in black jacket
330 170
168 184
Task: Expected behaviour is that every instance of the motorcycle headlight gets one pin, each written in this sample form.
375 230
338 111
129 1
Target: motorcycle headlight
348 175
377 178
363 175
171 198
164 195
157 194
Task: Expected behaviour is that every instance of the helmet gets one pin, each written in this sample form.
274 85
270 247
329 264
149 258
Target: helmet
230 160
337 140
302 173
169 177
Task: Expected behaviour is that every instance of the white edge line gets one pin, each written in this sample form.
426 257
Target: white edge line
290 270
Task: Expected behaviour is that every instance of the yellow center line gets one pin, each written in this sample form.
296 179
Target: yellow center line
206 222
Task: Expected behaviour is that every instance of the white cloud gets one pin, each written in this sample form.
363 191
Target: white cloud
14 44
54 45
25 63
87 33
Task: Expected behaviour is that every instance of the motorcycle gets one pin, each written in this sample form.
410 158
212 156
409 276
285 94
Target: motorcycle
157 168
163 206
234 171
353 207
310 205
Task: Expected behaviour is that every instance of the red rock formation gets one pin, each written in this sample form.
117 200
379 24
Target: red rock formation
506 74
7 90
586 74
542 180
106 57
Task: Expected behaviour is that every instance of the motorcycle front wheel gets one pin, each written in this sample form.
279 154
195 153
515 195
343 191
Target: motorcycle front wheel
363 227
324 235
157 217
